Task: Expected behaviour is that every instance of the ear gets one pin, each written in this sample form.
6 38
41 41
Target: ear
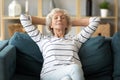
51 25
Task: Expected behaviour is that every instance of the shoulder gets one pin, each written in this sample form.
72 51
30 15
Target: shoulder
46 36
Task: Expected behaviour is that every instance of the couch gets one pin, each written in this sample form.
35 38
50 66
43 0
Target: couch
21 59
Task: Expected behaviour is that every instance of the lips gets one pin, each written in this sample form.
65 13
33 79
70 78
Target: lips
59 23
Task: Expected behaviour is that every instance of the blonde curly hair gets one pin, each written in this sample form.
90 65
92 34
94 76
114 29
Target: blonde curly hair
49 19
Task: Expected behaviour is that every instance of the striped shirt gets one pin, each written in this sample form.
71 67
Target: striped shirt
59 51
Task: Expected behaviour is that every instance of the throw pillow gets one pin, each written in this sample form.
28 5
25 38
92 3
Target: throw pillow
29 57
96 59
116 51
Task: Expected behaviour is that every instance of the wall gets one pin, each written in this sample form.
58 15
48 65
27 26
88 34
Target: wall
61 4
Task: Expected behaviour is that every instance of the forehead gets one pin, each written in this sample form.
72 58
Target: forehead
59 13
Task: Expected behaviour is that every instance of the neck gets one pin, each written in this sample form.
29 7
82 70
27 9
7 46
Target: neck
59 33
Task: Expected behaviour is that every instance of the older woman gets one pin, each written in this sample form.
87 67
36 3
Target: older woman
61 61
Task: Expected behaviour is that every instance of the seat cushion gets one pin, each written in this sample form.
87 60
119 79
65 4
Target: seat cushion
29 57
96 59
24 77
116 51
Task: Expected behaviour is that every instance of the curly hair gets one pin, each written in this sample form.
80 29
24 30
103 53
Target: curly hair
49 19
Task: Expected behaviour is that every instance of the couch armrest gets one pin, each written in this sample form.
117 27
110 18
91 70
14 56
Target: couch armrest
7 62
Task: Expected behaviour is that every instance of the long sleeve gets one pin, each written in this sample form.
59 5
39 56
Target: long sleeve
86 33
31 29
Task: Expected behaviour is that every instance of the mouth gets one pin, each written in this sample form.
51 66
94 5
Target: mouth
59 23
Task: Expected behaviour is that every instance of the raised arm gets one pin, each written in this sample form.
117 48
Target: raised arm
31 29
86 32
80 22
75 21
38 21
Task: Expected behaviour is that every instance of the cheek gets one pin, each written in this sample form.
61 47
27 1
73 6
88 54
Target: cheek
66 24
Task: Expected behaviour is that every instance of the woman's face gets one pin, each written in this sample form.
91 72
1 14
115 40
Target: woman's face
59 21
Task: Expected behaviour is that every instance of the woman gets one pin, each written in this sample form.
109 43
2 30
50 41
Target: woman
61 61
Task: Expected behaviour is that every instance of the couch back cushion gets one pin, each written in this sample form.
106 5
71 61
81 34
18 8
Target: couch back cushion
96 58
116 51
29 58
3 44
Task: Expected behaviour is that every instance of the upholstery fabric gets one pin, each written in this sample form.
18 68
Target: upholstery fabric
7 62
25 77
3 44
29 58
96 59
116 51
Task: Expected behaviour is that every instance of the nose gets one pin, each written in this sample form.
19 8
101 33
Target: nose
59 18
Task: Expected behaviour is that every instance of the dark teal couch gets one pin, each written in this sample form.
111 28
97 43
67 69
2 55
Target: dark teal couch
20 58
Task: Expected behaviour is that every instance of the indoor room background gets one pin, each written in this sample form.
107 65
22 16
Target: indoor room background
69 5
